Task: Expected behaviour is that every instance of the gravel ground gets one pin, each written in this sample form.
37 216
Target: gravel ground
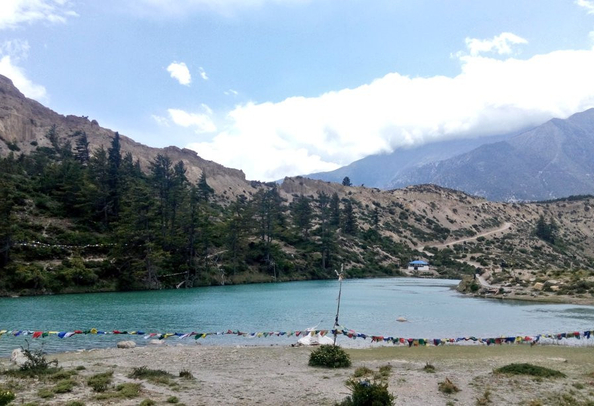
281 376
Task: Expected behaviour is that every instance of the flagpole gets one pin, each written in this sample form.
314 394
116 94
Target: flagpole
338 307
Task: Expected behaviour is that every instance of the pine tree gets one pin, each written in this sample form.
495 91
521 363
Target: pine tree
326 232
100 195
7 220
162 181
114 160
334 210
204 190
270 217
346 181
349 222
236 231
302 215
83 154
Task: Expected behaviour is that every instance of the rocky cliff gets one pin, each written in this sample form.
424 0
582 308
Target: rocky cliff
25 123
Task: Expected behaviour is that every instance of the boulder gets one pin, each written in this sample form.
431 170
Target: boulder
538 286
156 342
18 357
126 344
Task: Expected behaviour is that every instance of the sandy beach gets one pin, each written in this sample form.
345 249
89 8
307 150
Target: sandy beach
280 376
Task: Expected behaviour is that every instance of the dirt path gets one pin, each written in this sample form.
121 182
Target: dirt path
504 227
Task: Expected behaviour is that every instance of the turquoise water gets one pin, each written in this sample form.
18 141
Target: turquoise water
433 310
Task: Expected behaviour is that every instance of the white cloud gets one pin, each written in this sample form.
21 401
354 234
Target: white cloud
587 4
201 122
489 96
231 92
11 53
180 72
501 44
163 121
16 12
207 109
16 74
203 74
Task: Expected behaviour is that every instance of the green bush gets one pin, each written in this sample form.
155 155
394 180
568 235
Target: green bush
529 369
329 356
64 386
6 397
365 393
100 382
157 376
36 363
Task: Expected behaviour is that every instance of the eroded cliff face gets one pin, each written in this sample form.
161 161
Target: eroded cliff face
25 123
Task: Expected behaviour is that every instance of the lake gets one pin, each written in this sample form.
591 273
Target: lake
371 306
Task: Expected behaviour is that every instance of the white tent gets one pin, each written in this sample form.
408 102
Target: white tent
315 339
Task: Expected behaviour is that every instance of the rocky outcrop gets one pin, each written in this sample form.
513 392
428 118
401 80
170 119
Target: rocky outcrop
24 125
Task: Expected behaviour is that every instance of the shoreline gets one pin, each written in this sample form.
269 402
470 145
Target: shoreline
546 298
552 299
280 375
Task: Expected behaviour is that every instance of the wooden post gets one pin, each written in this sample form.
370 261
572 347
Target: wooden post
340 276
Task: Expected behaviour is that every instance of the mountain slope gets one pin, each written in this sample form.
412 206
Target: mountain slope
68 224
379 170
551 161
25 123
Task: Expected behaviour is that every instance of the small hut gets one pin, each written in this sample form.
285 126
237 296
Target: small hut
418 265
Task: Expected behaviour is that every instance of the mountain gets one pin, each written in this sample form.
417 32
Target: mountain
550 161
25 125
103 223
379 170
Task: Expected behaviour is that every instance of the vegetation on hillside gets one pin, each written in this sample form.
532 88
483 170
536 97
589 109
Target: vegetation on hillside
72 220
77 219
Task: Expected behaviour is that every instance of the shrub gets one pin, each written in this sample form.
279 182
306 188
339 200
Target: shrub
329 356
152 375
185 374
61 374
368 393
64 386
172 399
447 386
100 382
429 368
529 369
385 371
6 397
362 371
45 393
36 363
128 390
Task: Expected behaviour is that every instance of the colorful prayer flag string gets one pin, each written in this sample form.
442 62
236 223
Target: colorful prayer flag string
504 339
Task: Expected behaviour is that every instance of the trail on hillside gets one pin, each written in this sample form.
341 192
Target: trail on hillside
504 227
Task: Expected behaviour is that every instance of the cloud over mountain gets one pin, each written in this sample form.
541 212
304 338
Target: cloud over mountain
491 95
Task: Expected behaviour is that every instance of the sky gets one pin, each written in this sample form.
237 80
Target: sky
287 87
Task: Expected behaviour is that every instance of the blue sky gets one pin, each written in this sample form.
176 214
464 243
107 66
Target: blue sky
287 87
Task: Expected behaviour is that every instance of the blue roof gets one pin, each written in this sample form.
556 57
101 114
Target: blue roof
419 263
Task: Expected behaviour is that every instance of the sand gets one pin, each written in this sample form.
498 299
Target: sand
280 375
